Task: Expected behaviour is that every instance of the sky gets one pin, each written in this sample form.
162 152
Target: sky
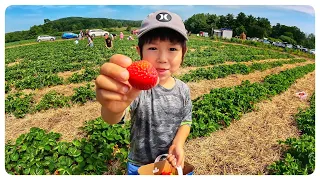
19 17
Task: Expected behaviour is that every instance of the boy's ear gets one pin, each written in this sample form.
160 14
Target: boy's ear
138 50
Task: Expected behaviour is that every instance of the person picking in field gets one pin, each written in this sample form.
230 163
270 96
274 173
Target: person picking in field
159 104
108 41
121 36
90 41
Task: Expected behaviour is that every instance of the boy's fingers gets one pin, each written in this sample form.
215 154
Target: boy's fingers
107 83
180 161
114 71
171 158
104 96
121 60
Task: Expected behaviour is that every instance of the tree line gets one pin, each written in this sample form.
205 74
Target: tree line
250 25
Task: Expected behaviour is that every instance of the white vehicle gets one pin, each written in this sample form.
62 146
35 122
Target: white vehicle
97 32
45 38
289 46
312 51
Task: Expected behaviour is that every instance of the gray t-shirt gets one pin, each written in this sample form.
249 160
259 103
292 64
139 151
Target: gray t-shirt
156 115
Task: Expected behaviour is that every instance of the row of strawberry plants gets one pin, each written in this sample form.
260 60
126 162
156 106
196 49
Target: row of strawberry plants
216 52
109 143
40 153
201 73
299 154
39 81
20 104
221 71
220 107
47 59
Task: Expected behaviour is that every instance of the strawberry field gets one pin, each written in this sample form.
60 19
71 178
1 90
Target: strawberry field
53 123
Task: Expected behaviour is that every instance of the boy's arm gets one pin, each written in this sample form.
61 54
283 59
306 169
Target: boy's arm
110 117
185 126
182 135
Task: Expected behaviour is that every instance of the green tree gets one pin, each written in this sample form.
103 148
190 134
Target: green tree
239 30
128 28
287 39
46 21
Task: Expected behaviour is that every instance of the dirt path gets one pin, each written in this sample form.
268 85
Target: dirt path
27 44
247 146
67 120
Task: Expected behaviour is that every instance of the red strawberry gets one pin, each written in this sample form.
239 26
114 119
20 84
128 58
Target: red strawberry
142 75
166 173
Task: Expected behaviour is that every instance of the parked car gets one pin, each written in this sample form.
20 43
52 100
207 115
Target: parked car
266 41
46 38
97 32
304 49
312 51
69 35
289 46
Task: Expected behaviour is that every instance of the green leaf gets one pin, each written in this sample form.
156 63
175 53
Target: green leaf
14 157
79 159
72 151
65 161
24 147
77 143
36 170
26 171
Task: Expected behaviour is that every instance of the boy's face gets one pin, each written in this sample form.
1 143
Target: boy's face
165 56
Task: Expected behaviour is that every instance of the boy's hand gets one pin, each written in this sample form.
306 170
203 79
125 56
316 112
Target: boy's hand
113 90
176 156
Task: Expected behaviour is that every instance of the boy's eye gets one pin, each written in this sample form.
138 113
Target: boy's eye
152 48
173 49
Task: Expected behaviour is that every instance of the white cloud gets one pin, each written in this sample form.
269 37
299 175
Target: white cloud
303 9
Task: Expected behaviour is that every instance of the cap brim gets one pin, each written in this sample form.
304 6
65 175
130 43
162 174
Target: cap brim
162 26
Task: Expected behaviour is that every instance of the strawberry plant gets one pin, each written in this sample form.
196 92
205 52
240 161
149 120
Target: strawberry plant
39 153
38 82
221 71
299 154
19 104
83 94
88 75
53 100
7 87
221 106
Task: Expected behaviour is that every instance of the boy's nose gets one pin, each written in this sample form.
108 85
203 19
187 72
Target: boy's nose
162 58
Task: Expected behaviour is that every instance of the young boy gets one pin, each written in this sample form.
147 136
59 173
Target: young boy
160 117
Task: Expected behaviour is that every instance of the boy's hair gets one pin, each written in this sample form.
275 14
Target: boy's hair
162 34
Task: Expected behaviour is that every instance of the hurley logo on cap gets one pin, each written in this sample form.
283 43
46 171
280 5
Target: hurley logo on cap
163 17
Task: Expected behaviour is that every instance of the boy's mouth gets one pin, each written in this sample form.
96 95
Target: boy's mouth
161 70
